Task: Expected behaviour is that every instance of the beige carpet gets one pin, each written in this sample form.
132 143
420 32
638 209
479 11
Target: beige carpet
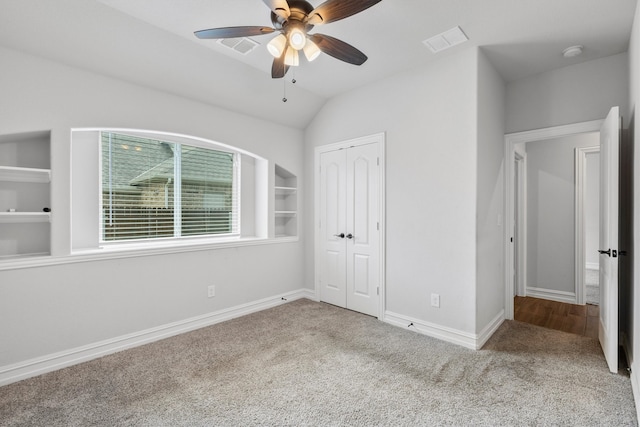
307 363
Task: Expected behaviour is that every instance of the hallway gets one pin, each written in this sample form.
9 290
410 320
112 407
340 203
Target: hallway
571 318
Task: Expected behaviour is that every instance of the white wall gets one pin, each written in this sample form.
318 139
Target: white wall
50 309
550 211
572 94
490 194
429 116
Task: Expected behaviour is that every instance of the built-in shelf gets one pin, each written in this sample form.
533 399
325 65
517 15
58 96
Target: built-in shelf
25 177
20 174
286 189
23 256
285 203
24 217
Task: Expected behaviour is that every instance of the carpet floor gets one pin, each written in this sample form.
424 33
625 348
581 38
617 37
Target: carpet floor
311 364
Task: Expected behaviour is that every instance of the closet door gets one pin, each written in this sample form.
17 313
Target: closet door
362 238
333 191
349 228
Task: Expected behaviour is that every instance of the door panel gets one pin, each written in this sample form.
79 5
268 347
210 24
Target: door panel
609 182
334 270
361 285
361 193
332 219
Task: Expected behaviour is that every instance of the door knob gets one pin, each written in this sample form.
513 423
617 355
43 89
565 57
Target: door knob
607 252
341 235
349 236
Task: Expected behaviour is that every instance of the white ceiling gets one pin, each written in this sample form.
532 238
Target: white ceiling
151 42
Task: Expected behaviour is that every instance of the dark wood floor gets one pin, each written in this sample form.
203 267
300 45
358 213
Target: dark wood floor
575 319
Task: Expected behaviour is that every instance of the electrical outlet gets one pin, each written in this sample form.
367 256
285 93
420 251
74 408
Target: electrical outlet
435 300
211 291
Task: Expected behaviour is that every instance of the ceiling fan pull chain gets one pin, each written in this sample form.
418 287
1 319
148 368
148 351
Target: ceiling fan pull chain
284 90
293 80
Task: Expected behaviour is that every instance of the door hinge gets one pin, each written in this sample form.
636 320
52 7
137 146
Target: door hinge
378 290
378 161
378 226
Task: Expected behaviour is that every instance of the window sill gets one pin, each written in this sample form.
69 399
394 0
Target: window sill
137 250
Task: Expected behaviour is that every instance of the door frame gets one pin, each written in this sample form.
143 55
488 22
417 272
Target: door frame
379 138
510 140
520 206
580 195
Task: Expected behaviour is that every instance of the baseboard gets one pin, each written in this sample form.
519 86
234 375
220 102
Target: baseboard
52 362
454 336
553 295
489 330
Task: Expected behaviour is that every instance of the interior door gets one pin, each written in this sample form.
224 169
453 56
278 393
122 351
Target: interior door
609 181
362 238
333 192
349 228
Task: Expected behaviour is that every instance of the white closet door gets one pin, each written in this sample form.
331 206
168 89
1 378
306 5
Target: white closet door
333 191
349 228
362 225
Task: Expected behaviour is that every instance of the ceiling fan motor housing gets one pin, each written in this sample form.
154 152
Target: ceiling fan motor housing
299 9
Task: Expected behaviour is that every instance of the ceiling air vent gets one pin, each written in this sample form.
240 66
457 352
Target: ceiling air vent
446 40
241 45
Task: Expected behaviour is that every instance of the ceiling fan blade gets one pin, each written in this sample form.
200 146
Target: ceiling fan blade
233 32
279 7
279 69
338 49
334 10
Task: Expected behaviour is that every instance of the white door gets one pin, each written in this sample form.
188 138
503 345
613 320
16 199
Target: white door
349 228
609 154
333 226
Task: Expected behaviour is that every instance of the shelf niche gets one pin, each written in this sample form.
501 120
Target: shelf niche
25 177
285 203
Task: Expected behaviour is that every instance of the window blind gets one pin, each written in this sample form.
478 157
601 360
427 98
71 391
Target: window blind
154 189
207 192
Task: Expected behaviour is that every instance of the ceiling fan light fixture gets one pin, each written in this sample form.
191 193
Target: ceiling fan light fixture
311 50
297 38
277 45
291 57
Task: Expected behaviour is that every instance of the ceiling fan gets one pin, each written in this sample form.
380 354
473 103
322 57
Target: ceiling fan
293 19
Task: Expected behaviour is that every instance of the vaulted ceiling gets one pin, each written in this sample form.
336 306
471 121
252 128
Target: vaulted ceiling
151 43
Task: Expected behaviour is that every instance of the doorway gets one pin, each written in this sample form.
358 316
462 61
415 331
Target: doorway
609 132
349 261
516 252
